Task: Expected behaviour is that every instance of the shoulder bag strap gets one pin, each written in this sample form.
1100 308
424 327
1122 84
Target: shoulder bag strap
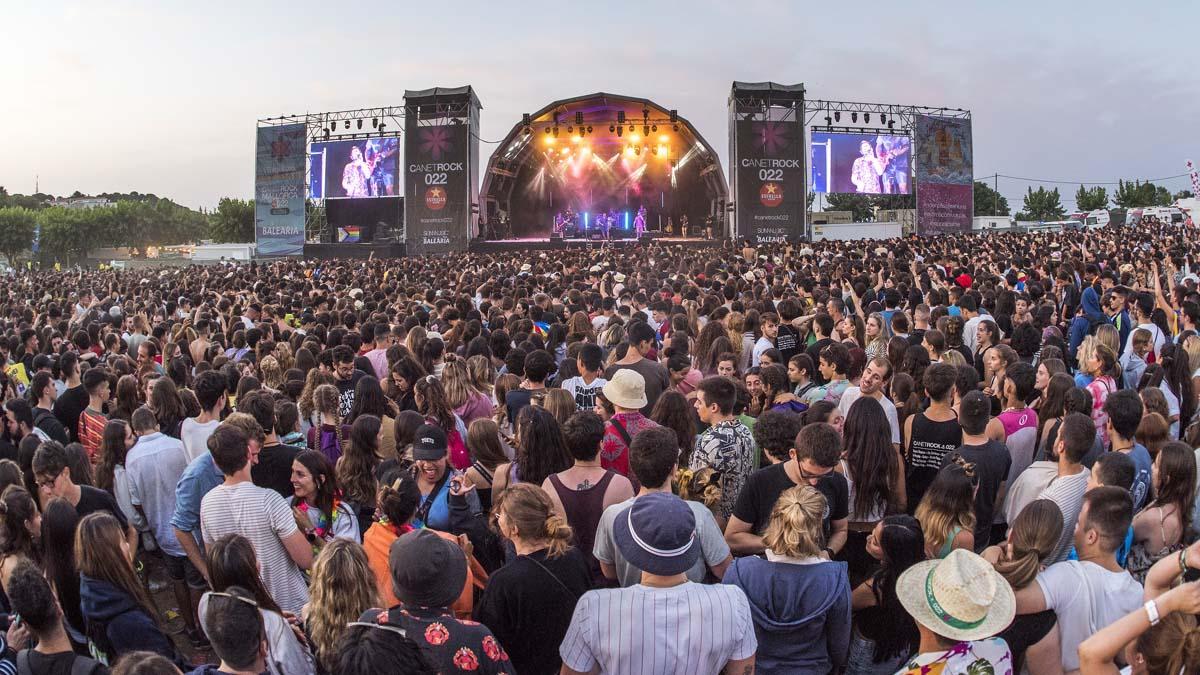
624 433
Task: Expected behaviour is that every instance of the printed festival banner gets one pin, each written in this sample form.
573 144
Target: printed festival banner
437 204
770 180
279 178
945 175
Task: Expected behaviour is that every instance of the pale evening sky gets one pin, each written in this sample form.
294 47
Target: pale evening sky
163 96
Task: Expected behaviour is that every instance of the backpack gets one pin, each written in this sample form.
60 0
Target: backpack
82 665
329 443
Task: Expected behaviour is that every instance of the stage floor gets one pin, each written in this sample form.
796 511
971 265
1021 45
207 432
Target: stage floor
545 243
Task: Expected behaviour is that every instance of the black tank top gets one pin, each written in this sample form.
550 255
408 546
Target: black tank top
583 509
930 443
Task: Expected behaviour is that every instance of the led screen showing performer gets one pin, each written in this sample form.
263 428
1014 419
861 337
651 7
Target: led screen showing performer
354 169
861 163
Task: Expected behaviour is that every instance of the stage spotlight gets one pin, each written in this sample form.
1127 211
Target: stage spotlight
891 124
631 127
589 128
383 125
556 132
565 151
528 131
854 117
654 128
882 118
629 151
325 133
549 140
360 124
585 151
634 137
837 117
828 120
333 126
612 128
867 118
578 117
547 130
661 151
347 124
664 138
570 129
619 130
576 138
645 129
674 127
375 123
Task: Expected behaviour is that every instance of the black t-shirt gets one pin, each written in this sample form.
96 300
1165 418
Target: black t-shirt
68 407
788 342
94 499
274 468
764 486
992 462
346 392
655 375
58 663
814 353
514 401
534 595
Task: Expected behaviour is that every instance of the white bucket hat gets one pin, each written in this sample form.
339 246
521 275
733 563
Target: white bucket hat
961 597
627 388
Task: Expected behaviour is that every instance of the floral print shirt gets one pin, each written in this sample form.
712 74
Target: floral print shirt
981 657
453 645
830 391
728 448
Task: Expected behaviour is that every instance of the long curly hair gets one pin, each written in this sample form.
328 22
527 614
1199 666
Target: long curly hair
343 587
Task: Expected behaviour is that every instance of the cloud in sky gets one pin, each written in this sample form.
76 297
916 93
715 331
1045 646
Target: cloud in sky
162 97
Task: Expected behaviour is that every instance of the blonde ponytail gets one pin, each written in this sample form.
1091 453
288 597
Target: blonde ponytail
528 508
795 529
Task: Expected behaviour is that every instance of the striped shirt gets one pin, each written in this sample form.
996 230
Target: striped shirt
690 628
1067 492
261 515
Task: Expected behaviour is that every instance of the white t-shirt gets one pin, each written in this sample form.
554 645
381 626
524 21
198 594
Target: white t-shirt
195 436
764 343
1086 598
1156 335
852 394
584 394
263 516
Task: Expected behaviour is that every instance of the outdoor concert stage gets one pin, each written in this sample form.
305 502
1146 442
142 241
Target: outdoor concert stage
544 244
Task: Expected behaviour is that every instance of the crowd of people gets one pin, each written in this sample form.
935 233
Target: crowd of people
958 454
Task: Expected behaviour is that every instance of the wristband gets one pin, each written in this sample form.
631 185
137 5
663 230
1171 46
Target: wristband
1183 561
1152 612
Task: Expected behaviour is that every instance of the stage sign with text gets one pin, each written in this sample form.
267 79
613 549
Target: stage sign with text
770 180
437 204
945 175
279 190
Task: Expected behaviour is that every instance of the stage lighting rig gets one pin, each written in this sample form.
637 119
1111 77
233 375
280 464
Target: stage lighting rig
866 118
359 124
854 117
620 117
375 123
347 124
882 118
646 130
578 118
612 128
619 131
837 116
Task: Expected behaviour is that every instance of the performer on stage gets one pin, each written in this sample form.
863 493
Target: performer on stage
866 170
606 224
356 175
683 225
708 226
639 222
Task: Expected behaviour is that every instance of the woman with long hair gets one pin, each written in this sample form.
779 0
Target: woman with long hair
903 391
59 522
127 397
559 403
536 592
468 403
369 399
117 609
1046 369
483 441
777 390
356 468
328 433
987 335
1051 412
431 400
541 451
309 417
167 406
810 632
675 412
272 373
342 589
317 503
1159 528
232 564
852 328
1101 367
110 471
884 634
947 511
1178 383
20 531
483 374
706 350
871 467
1032 538
402 377
875 336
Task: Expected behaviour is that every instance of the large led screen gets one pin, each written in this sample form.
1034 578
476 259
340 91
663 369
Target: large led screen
861 163
354 169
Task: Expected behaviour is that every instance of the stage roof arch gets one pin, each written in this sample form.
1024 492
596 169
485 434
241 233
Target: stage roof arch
658 160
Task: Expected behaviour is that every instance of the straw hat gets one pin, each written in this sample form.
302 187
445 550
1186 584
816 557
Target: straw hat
627 388
961 597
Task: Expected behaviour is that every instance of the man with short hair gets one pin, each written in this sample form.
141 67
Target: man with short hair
871 385
822 328
42 393
31 598
539 365
769 325
1094 591
726 446
262 515
833 365
654 458
347 377
626 391
1075 438
18 421
74 398
641 340
239 636
1143 307
378 355
930 435
153 467
681 626
274 467
774 432
987 458
590 381
209 388
815 455
920 318
93 420
52 472
1123 410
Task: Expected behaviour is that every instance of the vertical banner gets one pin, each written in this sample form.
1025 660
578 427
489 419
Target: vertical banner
437 205
769 173
279 190
945 175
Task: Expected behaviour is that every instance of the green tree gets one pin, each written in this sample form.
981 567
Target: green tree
1136 194
894 201
233 221
1182 194
989 202
17 226
1042 204
67 234
860 205
1091 199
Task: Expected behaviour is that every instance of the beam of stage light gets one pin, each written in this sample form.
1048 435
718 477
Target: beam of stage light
687 156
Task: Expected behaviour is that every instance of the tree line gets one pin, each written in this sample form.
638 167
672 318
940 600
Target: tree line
31 226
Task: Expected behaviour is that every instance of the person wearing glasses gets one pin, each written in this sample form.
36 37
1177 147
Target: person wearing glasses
812 462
